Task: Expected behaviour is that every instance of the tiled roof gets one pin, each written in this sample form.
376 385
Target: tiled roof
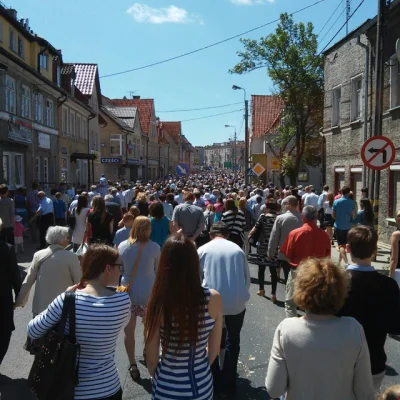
173 128
163 140
123 112
119 121
266 114
67 69
146 110
85 77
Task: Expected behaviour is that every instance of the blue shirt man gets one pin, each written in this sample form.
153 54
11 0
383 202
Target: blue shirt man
45 206
343 209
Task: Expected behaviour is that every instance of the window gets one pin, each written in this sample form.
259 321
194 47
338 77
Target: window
1 31
37 168
72 123
13 168
13 40
116 142
25 102
394 82
44 61
10 95
356 98
39 107
336 98
65 121
20 46
78 127
84 129
49 113
302 176
45 170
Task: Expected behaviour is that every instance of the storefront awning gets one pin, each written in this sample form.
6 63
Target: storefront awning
82 156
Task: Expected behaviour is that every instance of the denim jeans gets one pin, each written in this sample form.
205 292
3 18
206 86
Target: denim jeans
225 380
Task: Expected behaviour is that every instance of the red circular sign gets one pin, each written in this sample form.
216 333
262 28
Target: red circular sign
378 152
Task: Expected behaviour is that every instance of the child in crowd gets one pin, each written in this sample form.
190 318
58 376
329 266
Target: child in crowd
60 210
123 233
19 230
392 393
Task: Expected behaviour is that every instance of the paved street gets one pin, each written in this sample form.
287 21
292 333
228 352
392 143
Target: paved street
260 322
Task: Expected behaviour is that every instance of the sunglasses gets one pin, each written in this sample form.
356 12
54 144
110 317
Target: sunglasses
121 267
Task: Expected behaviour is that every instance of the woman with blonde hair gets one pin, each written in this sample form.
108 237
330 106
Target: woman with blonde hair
320 355
140 257
391 393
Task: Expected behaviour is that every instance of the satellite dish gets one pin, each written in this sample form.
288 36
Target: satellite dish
398 49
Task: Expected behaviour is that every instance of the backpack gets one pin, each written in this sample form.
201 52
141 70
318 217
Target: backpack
72 219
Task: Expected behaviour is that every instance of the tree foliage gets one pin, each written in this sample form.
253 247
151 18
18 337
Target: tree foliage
291 58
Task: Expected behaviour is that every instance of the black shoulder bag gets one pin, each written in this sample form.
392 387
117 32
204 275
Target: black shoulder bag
72 219
256 236
54 373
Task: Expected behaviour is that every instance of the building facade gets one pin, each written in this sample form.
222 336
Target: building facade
30 75
349 112
223 155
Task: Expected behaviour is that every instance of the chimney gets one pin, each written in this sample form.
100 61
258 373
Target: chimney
136 97
13 12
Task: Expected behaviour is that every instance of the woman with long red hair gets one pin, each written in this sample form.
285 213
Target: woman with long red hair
186 319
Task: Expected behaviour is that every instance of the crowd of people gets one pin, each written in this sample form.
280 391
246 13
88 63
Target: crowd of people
181 248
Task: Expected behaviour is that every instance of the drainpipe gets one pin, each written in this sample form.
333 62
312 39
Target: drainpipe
366 81
90 117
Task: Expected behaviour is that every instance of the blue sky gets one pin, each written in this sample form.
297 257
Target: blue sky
124 34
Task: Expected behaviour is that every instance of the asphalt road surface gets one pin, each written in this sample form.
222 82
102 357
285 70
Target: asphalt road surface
261 320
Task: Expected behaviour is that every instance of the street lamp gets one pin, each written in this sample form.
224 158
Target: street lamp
246 134
234 148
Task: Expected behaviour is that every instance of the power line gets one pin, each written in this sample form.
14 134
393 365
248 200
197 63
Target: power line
327 22
211 116
210 45
336 20
347 20
204 108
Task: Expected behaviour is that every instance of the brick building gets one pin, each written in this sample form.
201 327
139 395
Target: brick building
348 117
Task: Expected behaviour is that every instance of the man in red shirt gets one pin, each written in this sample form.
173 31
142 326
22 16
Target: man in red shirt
302 243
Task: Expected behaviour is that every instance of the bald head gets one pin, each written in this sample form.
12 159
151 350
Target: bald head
41 195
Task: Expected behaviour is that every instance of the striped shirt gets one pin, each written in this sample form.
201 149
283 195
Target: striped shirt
186 374
236 223
99 320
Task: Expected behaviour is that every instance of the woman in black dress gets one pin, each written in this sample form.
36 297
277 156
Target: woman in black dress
101 222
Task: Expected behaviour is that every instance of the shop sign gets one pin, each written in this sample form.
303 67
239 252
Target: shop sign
153 162
44 140
111 160
20 131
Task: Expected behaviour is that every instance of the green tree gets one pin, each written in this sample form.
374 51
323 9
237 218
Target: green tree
291 58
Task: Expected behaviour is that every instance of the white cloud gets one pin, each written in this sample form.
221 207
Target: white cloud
171 14
250 2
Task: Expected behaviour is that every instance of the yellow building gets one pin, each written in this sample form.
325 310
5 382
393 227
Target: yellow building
30 74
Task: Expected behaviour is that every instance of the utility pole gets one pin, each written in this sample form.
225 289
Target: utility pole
348 11
246 144
377 128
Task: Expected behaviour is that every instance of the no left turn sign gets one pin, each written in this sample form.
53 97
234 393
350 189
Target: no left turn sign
378 152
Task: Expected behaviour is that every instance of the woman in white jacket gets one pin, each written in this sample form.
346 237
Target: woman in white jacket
320 356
